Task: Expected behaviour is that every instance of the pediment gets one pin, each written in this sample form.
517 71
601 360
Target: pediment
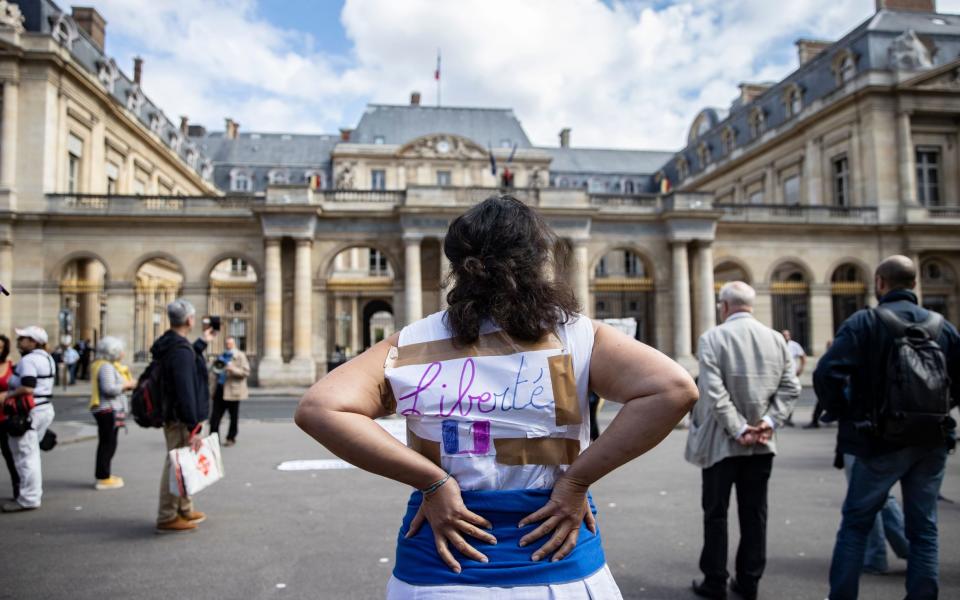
443 146
946 77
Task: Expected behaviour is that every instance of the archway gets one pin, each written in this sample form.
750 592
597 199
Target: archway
938 287
848 292
724 273
378 322
790 295
358 277
82 301
158 282
623 290
233 298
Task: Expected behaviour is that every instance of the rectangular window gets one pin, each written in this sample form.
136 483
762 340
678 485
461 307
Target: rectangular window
378 179
928 176
113 177
443 178
238 266
791 190
378 139
378 263
756 197
139 187
841 181
164 189
74 158
631 264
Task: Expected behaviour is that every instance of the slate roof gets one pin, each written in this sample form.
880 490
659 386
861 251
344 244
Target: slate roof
268 149
399 124
602 160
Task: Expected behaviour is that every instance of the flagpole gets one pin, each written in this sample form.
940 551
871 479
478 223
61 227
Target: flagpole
438 77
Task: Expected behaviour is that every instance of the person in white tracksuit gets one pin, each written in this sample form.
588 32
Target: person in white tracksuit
34 375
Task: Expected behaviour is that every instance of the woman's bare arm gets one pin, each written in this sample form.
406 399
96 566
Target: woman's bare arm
338 412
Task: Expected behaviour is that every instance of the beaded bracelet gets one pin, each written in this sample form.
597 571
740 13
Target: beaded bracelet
434 487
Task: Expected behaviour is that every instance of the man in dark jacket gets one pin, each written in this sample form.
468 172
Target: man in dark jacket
850 380
184 373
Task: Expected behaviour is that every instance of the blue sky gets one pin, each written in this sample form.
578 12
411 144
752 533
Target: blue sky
621 73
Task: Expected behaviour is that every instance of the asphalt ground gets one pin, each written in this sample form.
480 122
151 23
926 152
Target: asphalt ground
330 534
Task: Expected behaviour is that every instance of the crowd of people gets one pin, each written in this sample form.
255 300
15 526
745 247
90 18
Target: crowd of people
27 389
521 449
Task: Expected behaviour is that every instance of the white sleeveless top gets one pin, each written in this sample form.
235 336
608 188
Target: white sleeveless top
498 414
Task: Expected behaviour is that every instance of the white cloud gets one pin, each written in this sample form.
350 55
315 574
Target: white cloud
627 75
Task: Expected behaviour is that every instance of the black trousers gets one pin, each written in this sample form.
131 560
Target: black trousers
107 432
219 407
817 412
8 458
750 475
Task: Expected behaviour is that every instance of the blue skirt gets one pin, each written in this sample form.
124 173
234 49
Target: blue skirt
418 562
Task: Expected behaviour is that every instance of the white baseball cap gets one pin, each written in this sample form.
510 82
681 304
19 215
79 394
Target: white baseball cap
35 333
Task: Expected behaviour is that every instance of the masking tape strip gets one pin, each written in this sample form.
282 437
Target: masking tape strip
491 344
428 448
536 451
564 390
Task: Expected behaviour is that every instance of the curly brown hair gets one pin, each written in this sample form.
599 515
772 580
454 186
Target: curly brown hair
502 255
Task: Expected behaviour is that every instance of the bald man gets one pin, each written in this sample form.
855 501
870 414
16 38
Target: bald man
851 380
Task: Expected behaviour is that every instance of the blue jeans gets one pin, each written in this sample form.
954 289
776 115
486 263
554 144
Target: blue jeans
920 473
888 527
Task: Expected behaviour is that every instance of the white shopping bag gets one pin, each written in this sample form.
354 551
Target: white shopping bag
193 471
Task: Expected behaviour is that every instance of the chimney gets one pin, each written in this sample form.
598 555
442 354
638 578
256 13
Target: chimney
807 50
565 137
89 20
184 125
345 134
137 69
750 91
415 99
927 6
197 131
232 128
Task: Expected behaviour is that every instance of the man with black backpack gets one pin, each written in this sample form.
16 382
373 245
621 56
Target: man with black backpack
185 399
891 377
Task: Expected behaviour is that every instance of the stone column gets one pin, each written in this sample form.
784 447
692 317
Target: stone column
272 302
321 330
706 295
821 317
915 257
6 278
769 186
906 160
813 171
356 344
681 302
413 290
445 286
8 162
856 166
120 307
763 306
91 282
581 275
302 301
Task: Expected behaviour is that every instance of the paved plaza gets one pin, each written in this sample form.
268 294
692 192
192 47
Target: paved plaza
330 534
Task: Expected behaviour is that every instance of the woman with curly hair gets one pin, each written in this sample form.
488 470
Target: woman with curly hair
494 392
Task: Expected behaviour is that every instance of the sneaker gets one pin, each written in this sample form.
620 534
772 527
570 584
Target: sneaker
229 443
11 507
196 517
176 525
110 483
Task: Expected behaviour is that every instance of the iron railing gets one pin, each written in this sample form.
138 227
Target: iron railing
104 204
799 213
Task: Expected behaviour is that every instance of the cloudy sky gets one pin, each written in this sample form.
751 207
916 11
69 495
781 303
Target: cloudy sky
628 74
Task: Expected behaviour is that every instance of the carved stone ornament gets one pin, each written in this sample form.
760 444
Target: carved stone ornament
344 176
946 81
64 30
11 17
443 146
908 53
135 99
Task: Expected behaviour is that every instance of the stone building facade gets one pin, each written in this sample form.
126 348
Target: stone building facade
313 247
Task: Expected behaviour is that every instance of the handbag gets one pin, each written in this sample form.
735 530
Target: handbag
192 471
17 411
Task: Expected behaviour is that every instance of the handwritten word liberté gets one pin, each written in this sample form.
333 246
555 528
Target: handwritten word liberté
466 402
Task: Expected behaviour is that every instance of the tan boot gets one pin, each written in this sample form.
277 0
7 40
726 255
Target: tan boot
110 483
176 525
196 517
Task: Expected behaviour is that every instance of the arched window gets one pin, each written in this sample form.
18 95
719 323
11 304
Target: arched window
844 66
315 179
241 181
793 100
107 74
683 168
703 154
728 140
628 187
135 100
757 123
563 182
278 177
64 31
174 139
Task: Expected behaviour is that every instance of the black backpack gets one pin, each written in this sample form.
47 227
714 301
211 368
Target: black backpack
915 408
148 404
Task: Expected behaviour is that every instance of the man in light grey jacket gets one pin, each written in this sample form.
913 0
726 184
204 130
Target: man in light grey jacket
748 386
